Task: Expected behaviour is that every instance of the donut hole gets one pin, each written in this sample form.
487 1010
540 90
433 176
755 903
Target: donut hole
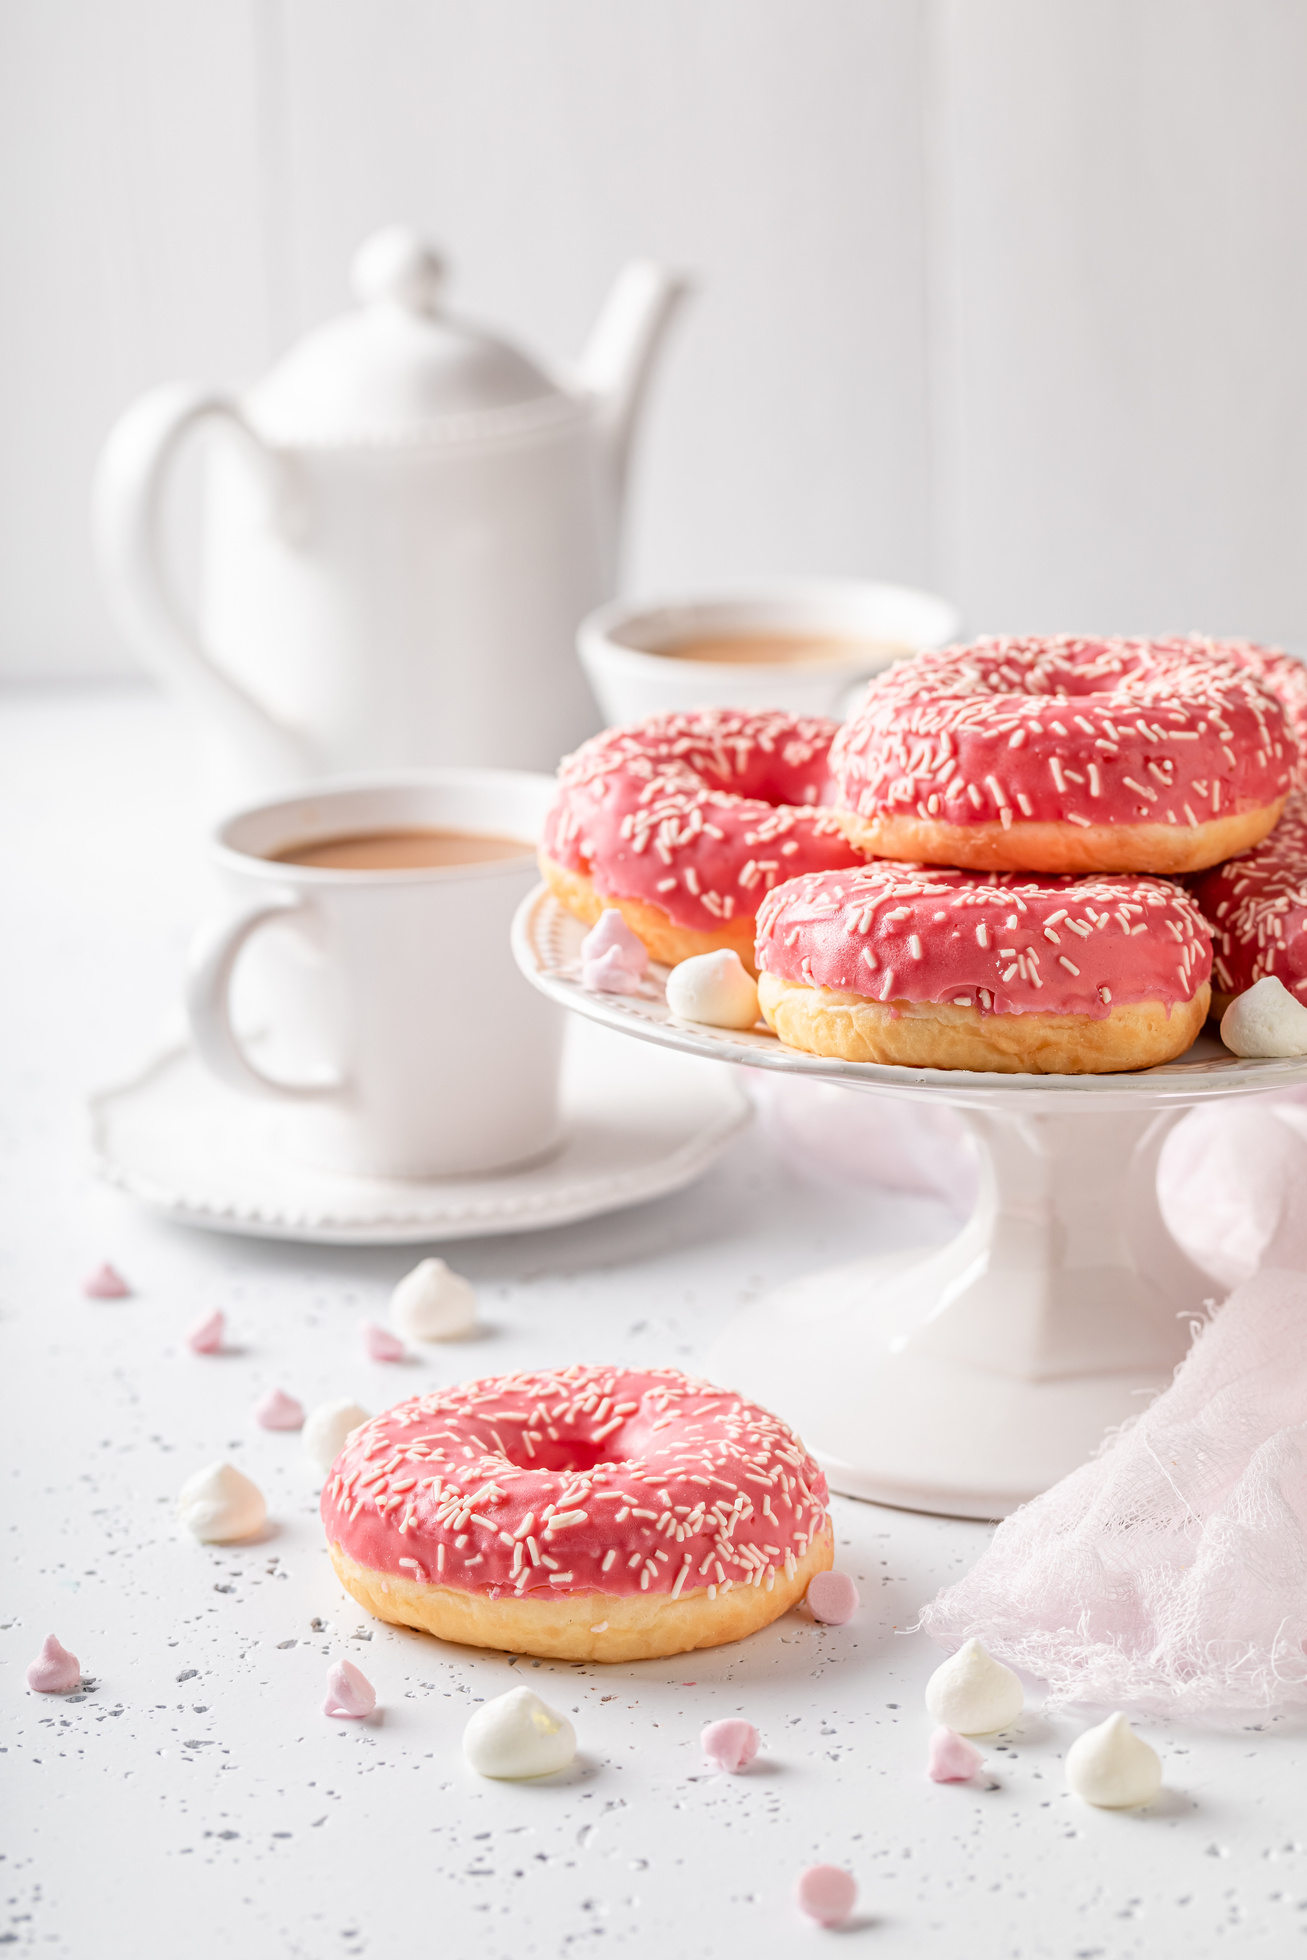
567 1453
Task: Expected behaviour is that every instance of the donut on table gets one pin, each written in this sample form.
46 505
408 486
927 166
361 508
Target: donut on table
1022 974
605 1514
1256 906
683 821
1066 755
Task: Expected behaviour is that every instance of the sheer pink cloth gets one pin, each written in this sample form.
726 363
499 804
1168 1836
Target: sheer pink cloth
1170 1572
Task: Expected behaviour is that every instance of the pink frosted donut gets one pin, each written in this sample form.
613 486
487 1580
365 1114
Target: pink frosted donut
1286 678
683 822
1067 755
1257 908
590 1514
929 968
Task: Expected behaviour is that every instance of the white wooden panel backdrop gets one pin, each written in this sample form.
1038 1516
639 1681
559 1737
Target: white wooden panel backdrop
1005 295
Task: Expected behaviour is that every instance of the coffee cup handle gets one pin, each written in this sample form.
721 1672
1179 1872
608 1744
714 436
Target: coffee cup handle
214 952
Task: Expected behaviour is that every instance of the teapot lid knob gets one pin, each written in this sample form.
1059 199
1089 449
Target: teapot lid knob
397 266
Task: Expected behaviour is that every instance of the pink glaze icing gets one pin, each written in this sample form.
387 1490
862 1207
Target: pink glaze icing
610 936
1004 942
832 1598
731 1745
1286 678
278 1410
380 1343
698 813
1067 731
609 974
1256 904
350 1695
588 1479
105 1283
827 1893
54 1671
951 1758
206 1335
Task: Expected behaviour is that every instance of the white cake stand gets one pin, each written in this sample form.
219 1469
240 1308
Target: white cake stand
966 1380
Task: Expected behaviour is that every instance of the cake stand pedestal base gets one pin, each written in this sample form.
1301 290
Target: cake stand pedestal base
969 1379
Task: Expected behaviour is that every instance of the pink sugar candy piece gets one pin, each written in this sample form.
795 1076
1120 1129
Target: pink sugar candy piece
380 1343
206 1335
278 1410
731 1744
105 1283
611 934
832 1598
350 1695
826 1893
54 1671
951 1759
609 974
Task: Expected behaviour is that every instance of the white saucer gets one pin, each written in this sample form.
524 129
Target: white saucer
640 1122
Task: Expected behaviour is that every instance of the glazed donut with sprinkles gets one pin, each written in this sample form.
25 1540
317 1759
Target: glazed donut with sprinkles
1257 908
684 821
924 967
590 1513
1068 755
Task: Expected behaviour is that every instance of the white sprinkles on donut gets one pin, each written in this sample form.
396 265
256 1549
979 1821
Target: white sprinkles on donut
1257 906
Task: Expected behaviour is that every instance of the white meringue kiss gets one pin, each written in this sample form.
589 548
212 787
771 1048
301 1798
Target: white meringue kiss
973 1693
1112 1767
517 1735
433 1304
218 1505
327 1429
1266 1020
715 989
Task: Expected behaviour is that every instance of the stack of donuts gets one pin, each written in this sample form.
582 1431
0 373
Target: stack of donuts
1013 857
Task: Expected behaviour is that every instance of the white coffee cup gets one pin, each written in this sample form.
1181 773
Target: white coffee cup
629 652
395 1027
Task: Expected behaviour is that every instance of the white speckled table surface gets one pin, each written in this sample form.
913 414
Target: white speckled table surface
195 1801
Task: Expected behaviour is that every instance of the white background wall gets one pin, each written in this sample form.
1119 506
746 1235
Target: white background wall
1007 296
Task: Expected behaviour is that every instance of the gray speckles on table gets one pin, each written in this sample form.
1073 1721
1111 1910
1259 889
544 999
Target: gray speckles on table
192 1799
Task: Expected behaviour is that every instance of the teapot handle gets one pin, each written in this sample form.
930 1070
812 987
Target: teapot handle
130 483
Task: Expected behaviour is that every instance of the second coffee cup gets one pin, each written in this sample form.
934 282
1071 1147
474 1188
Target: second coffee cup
393 1025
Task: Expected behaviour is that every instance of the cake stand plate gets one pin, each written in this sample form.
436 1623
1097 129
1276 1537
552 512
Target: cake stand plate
969 1379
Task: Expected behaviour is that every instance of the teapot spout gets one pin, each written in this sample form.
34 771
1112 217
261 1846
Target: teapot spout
620 354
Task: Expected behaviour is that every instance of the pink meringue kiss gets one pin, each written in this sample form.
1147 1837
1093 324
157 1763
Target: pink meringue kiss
611 934
380 1343
826 1893
54 1671
832 1598
609 974
278 1410
951 1758
206 1335
731 1744
105 1283
350 1695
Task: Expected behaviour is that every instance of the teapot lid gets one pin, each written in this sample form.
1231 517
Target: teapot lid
398 368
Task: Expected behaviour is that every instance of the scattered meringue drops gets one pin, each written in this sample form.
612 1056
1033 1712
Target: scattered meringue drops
106 1283
832 1598
714 989
973 1693
609 975
351 1697
1265 1020
327 1429
951 1758
517 1735
1112 1767
730 1745
827 1893
207 1335
613 959
434 1304
379 1343
219 1505
54 1671
278 1410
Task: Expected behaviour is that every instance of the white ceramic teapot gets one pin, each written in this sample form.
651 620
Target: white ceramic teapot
404 522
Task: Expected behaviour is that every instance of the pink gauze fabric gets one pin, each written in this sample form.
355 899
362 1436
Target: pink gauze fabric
1170 1571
